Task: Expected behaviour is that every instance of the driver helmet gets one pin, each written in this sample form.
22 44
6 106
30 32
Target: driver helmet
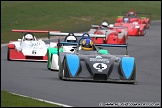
104 24
29 37
111 25
126 19
131 14
71 39
87 44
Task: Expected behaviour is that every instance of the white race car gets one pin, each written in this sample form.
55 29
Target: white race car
52 53
29 48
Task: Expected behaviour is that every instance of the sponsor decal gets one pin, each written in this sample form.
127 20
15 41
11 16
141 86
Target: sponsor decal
37 43
100 59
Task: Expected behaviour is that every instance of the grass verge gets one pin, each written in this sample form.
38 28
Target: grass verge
11 100
66 16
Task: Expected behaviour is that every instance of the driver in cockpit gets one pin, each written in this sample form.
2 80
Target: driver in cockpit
71 39
87 45
28 37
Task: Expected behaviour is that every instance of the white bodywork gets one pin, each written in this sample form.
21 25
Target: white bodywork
32 48
54 61
108 31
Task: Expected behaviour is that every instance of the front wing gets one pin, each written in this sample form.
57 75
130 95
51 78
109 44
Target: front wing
92 80
14 54
121 72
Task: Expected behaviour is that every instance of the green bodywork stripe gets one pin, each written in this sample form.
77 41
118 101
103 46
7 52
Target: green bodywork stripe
51 51
103 51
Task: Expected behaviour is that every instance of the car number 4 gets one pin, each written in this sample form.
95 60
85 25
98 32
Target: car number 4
100 66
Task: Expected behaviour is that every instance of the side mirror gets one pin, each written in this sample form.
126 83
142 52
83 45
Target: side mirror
143 17
72 50
120 16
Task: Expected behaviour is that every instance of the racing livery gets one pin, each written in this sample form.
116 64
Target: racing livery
134 29
52 63
132 14
95 66
113 35
28 48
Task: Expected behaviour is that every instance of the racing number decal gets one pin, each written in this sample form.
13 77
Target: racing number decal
34 52
100 66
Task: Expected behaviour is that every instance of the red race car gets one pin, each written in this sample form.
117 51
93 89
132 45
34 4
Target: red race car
132 14
113 35
134 28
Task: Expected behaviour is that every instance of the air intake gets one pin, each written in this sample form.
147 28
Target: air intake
100 77
35 57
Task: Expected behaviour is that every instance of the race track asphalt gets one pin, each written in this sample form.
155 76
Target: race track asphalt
35 80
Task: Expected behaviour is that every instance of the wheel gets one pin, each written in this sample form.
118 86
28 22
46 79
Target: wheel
139 33
8 55
148 25
60 73
144 32
48 61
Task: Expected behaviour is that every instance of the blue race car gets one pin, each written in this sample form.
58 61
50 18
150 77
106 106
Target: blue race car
95 64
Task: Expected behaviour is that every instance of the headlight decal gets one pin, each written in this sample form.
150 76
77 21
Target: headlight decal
127 66
72 63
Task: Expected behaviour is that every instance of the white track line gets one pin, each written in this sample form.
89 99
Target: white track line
43 100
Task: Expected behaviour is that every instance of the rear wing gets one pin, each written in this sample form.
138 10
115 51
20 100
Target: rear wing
51 33
102 45
142 13
82 35
120 27
33 31
114 45
95 26
110 25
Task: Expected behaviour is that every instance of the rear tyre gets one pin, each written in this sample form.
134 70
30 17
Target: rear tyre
148 25
144 32
8 55
49 58
139 33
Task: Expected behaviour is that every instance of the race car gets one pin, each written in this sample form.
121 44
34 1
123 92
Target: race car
132 14
91 65
52 63
113 35
28 48
134 29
